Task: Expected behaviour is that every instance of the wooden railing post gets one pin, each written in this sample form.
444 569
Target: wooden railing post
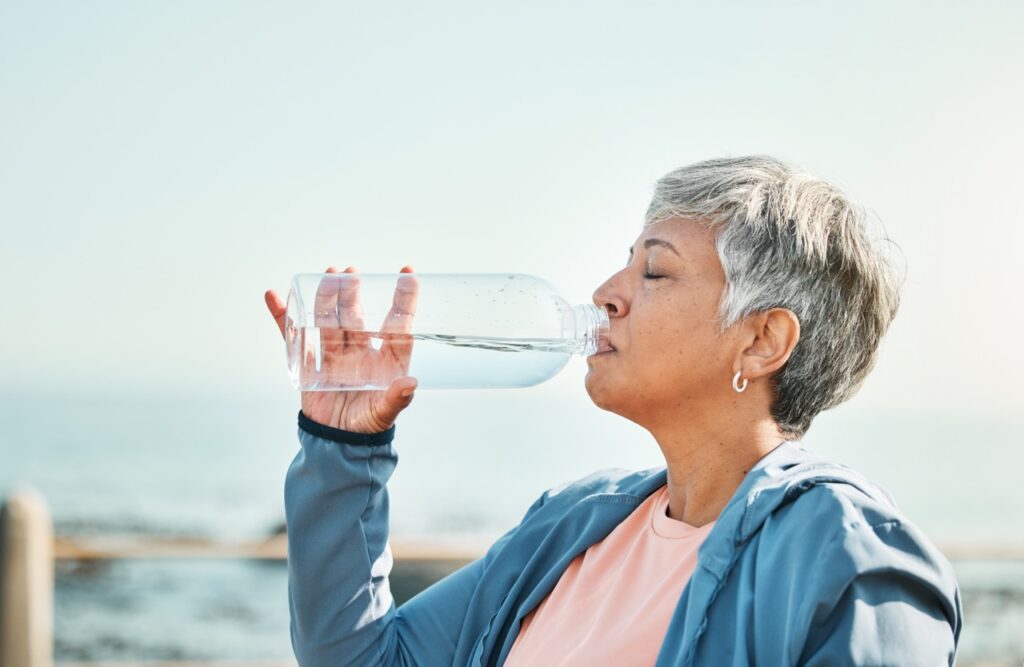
26 581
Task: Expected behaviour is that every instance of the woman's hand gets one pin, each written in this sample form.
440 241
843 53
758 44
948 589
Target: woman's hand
345 352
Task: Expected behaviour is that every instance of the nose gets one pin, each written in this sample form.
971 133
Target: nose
607 296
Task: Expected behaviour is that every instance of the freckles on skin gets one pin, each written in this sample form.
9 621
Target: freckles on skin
670 346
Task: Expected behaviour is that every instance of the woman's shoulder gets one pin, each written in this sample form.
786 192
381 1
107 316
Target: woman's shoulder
820 499
840 557
834 515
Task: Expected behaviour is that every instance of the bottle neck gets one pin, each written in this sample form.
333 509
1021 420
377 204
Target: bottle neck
592 329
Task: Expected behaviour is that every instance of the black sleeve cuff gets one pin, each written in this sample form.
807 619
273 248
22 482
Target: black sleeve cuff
343 436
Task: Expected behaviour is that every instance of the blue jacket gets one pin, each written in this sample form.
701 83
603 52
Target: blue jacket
808 564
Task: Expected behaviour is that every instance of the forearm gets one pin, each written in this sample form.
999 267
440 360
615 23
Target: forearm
336 506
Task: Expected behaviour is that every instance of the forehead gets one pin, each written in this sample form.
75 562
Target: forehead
694 242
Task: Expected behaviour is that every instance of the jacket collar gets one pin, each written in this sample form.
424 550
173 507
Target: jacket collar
776 479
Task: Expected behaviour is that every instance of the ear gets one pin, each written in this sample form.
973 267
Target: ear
772 334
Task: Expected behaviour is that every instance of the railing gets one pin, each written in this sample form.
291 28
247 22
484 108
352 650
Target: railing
28 551
26 581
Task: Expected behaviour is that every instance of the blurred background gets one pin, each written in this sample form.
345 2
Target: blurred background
163 164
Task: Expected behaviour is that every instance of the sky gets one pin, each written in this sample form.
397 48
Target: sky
163 164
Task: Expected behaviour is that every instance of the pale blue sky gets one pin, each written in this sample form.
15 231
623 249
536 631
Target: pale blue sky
162 164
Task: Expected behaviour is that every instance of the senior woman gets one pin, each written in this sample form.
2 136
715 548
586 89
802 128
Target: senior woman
752 300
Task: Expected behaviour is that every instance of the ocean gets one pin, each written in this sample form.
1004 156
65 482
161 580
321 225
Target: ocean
470 463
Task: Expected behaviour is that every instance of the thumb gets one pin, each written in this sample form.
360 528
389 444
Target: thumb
397 397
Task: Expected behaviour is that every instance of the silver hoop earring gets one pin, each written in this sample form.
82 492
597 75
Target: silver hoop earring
736 380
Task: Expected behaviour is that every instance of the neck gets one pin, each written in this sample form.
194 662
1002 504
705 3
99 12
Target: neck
707 460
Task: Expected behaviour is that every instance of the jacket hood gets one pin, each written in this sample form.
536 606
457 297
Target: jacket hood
776 479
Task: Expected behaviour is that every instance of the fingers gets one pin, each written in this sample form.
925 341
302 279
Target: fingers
399 319
338 314
325 311
350 311
403 305
277 308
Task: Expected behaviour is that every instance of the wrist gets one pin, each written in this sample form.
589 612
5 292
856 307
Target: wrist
343 436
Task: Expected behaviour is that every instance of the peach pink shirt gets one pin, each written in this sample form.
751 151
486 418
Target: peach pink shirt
613 604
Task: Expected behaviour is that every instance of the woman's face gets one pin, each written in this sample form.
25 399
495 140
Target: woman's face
669 358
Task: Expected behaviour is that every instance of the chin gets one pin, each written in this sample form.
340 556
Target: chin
620 399
600 394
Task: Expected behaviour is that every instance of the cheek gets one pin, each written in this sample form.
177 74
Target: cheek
679 339
663 323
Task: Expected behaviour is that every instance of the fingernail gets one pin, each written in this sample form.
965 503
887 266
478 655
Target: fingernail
407 393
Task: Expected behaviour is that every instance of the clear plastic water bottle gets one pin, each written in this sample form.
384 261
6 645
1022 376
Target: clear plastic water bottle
360 331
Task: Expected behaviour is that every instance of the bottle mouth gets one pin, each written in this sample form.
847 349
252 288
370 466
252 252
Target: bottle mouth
593 329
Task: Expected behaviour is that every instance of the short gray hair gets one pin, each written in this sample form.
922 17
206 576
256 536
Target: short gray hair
789 240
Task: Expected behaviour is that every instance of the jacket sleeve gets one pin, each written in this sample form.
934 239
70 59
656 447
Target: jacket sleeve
903 611
339 559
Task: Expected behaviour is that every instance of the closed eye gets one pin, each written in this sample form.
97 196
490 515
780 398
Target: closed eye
651 276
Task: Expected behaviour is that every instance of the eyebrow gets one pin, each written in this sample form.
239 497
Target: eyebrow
657 242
